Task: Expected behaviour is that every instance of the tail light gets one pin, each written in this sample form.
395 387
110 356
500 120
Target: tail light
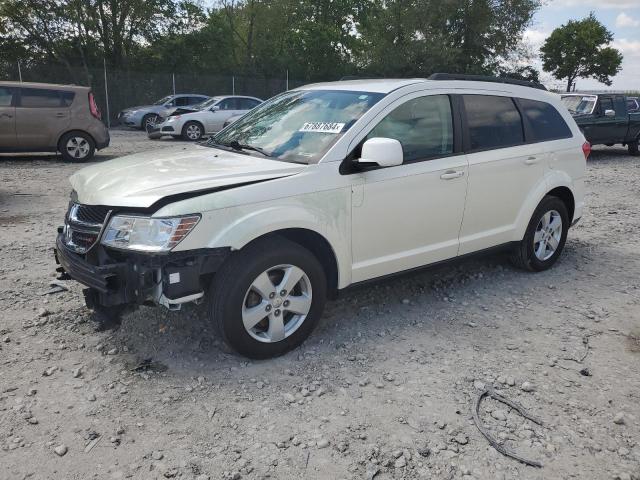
586 149
93 107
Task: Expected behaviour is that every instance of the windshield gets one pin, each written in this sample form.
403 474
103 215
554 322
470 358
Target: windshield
164 100
580 104
297 126
206 104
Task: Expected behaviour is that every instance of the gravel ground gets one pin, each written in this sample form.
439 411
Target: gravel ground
383 389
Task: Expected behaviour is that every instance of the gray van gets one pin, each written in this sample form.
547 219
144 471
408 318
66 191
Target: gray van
42 117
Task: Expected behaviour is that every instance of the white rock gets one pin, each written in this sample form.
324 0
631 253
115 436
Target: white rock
61 450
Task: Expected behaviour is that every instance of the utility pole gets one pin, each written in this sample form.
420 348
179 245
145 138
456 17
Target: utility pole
106 93
19 72
173 77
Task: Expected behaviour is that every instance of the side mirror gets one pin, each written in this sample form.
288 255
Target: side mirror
215 108
609 113
386 152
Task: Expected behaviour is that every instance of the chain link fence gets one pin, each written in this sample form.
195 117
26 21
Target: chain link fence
116 90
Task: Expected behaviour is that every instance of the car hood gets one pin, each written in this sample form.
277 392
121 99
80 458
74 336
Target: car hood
141 179
141 107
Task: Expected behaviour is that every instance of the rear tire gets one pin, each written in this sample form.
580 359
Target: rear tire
192 131
544 238
633 149
76 147
256 303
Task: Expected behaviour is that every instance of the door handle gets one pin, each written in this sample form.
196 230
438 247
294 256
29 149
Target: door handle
531 161
6 115
451 174
60 115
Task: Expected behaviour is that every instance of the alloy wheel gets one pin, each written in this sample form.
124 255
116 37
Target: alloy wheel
78 147
277 303
546 238
193 132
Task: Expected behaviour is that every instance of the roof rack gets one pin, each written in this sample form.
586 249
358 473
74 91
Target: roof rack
486 78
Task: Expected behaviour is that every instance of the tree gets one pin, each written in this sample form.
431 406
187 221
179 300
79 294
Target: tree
579 49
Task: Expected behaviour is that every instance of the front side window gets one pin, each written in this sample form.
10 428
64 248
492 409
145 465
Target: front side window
493 122
544 120
6 96
424 127
300 125
632 105
228 104
182 102
248 103
606 104
39 98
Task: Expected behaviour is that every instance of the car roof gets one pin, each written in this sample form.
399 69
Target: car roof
389 85
587 92
189 95
43 85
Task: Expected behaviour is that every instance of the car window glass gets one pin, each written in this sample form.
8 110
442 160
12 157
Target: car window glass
228 104
493 122
181 101
423 126
67 98
246 103
40 98
544 120
6 95
606 104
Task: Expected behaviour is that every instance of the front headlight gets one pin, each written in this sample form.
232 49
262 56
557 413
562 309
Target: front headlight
173 118
147 234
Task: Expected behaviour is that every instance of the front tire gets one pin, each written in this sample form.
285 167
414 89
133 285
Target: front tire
268 297
77 147
192 131
633 148
149 121
544 238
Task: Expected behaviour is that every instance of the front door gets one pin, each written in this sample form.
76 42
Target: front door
7 118
219 114
410 215
608 128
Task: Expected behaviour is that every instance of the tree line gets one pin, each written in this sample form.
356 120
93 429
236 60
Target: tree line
311 39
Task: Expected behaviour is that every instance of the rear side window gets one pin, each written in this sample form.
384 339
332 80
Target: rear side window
40 98
6 96
424 127
493 122
545 122
247 103
632 105
67 98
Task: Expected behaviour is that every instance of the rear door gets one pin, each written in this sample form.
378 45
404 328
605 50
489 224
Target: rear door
42 115
7 118
503 170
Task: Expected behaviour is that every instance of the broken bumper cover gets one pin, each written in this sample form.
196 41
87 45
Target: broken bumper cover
121 278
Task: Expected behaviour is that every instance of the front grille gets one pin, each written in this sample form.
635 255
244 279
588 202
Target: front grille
83 225
91 213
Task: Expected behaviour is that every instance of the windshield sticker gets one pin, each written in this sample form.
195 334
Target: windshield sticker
588 99
321 127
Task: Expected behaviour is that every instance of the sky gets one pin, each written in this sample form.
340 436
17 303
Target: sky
621 17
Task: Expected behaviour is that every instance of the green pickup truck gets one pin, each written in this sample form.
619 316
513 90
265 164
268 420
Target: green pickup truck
606 118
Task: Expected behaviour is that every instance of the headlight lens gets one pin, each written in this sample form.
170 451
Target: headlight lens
173 118
147 234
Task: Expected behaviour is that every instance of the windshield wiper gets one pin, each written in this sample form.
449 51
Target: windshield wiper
240 146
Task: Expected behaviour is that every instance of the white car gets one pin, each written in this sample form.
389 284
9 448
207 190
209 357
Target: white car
203 119
324 187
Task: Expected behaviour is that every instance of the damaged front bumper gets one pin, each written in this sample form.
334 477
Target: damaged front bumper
115 277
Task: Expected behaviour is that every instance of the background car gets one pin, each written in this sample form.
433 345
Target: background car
43 117
209 118
147 115
232 119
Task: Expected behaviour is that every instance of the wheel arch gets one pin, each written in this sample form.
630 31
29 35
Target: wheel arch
184 125
560 186
318 245
74 130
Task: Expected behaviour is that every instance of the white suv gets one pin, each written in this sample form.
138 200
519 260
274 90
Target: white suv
323 187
